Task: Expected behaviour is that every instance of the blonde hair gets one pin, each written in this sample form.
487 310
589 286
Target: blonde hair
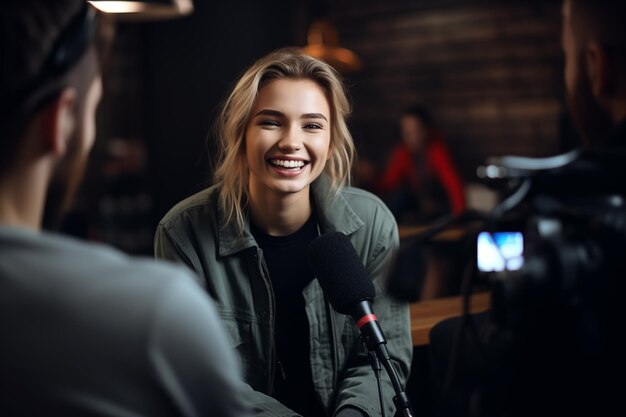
231 173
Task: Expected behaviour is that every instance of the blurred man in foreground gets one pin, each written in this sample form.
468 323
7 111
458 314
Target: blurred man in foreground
85 329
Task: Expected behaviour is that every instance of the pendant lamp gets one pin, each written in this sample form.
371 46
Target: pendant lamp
144 10
323 43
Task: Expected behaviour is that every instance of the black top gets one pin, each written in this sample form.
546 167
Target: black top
290 273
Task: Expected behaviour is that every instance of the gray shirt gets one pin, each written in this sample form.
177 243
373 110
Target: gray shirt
87 330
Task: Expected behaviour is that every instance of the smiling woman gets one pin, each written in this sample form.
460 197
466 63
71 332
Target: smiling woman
287 146
233 171
282 180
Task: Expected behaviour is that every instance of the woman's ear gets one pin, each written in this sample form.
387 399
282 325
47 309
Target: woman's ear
57 122
598 69
331 150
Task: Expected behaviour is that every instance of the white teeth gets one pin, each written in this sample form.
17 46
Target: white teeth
287 164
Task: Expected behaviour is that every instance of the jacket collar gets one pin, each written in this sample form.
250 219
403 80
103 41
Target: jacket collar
334 214
333 211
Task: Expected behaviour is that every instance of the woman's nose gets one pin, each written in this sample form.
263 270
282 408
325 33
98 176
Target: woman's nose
290 140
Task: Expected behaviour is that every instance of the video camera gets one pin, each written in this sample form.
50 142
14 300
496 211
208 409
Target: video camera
553 255
557 242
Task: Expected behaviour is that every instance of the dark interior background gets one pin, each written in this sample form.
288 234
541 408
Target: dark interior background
490 70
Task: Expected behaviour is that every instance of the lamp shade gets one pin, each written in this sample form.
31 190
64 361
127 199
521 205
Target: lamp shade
144 10
323 43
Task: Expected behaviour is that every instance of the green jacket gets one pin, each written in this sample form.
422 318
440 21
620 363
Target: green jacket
231 268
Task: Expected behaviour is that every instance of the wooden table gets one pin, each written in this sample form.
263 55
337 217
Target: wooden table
426 314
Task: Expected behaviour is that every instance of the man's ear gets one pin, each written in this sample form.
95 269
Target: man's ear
599 69
57 121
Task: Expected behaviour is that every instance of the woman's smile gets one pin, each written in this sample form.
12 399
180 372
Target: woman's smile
287 166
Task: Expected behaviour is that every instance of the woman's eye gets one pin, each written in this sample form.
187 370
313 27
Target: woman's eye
313 126
269 123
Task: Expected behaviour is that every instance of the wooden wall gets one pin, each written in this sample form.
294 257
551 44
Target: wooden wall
490 71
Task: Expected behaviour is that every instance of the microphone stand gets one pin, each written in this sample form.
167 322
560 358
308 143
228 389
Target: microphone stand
377 368
374 341
401 400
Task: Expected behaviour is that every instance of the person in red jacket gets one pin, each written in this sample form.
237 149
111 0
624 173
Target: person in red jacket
421 177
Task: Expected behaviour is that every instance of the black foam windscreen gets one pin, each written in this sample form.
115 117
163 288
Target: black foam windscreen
339 271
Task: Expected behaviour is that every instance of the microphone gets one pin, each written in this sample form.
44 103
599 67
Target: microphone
345 282
343 278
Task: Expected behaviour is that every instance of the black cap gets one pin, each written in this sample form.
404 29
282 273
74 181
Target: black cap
39 39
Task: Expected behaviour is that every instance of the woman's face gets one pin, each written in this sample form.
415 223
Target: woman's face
288 137
414 132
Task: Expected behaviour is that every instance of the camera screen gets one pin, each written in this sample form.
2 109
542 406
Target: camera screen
500 251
